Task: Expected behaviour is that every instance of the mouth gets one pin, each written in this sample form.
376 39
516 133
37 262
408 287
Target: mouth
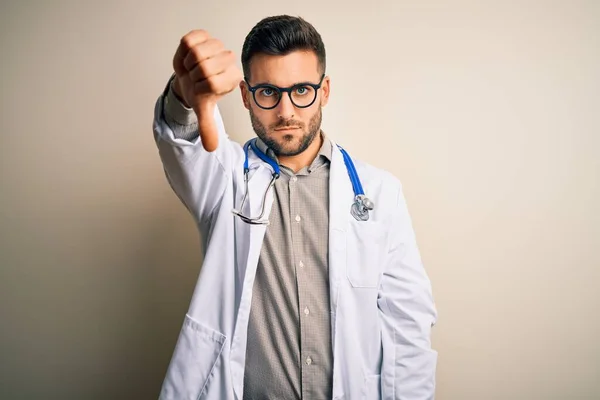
287 129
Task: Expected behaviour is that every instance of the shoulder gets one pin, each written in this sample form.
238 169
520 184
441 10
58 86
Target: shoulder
376 175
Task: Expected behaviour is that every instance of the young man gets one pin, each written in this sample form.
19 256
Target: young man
308 290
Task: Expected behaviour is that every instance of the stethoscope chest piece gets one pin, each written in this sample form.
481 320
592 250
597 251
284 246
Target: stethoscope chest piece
361 207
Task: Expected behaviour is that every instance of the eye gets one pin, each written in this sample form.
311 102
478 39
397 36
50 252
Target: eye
267 92
302 90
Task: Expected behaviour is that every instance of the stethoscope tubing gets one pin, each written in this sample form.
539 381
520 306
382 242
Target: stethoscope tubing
359 194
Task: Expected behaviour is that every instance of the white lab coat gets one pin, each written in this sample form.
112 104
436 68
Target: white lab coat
382 308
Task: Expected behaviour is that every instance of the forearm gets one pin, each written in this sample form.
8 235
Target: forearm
197 177
409 367
408 313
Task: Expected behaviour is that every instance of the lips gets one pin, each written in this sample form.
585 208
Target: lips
288 128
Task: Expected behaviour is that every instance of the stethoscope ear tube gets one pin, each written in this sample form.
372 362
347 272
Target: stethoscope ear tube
359 209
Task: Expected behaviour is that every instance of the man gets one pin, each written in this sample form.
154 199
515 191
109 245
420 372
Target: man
307 291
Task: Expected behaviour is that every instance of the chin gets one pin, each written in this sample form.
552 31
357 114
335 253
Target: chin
284 139
292 133
287 143
288 146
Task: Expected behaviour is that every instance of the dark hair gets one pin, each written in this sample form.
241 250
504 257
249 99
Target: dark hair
280 35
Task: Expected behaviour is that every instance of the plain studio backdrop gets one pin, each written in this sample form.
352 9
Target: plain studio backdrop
487 111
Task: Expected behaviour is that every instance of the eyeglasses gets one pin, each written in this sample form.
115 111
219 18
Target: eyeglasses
302 95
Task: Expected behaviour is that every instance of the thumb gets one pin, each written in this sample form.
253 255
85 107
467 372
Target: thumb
207 126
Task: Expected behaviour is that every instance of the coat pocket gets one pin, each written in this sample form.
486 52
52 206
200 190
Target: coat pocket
365 249
195 357
372 389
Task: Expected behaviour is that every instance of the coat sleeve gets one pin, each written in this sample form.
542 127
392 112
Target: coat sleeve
408 313
197 177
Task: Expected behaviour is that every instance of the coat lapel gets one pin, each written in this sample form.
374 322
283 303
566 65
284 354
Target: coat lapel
341 196
248 252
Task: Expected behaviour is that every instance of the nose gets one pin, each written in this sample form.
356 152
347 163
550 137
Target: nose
285 108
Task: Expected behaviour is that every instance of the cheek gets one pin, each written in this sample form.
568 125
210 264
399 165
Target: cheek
263 117
304 116
309 118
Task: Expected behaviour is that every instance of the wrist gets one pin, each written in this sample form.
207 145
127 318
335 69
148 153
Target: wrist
175 110
177 92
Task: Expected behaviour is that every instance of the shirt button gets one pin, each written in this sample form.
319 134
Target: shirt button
306 310
294 178
298 218
301 264
309 361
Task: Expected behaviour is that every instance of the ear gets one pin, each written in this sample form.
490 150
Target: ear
325 90
246 95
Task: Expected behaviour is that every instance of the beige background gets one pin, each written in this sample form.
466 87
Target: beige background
487 111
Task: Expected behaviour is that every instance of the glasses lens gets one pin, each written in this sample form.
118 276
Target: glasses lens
303 96
267 97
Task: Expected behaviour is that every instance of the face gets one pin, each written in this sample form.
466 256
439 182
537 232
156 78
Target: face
286 129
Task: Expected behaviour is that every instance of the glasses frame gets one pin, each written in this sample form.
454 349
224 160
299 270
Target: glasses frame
287 90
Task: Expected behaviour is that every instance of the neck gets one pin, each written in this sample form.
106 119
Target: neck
304 159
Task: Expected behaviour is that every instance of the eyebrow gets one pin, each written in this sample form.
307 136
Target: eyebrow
292 85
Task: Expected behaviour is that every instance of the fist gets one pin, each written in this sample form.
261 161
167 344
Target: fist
205 71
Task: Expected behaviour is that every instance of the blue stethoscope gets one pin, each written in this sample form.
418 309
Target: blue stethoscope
359 209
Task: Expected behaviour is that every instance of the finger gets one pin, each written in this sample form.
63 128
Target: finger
187 42
212 66
202 51
220 84
178 66
207 127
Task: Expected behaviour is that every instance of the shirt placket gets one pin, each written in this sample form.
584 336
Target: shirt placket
306 357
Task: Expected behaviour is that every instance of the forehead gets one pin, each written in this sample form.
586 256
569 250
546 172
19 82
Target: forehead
297 66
